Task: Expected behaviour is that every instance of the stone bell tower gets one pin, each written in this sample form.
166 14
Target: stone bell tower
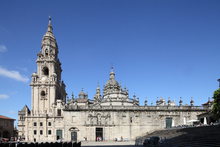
47 86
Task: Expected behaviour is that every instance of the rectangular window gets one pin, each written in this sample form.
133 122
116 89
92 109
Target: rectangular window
58 112
169 122
35 132
41 132
35 124
49 132
49 123
41 124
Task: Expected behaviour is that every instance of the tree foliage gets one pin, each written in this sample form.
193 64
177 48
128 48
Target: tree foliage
216 104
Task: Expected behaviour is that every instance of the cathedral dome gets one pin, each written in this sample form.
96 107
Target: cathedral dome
83 95
111 84
112 81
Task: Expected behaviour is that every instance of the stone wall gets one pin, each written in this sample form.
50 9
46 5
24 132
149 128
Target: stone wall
126 123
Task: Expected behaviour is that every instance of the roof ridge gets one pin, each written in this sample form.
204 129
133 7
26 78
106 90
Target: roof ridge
5 117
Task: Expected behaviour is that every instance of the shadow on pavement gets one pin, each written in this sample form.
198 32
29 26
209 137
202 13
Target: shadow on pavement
111 146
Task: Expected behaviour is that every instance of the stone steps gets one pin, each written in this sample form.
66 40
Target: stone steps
206 136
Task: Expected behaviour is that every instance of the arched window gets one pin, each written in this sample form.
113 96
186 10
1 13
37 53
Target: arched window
45 71
46 52
43 93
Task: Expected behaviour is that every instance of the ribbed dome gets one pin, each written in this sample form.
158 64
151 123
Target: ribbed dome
82 94
112 83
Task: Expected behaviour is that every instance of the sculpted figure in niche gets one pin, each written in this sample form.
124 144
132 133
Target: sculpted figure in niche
99 119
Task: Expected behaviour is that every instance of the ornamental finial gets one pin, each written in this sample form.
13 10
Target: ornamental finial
50 28
49 20
112 74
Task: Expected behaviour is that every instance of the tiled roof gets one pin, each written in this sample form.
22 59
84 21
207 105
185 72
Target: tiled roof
4 117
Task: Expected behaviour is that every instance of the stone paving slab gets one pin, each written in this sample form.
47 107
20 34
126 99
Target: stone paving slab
109 144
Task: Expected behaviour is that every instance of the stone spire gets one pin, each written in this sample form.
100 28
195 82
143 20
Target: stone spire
49 47
169 101
72 96
49 29
180 102
98 90
192 102
145 102
97 96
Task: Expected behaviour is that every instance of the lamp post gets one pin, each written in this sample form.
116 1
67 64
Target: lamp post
219 82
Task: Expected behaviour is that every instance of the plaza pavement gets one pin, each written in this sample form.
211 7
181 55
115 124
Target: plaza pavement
108 144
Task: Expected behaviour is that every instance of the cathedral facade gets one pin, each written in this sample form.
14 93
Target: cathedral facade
108 116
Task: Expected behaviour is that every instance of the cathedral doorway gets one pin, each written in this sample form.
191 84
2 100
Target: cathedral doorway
59 134
169 122
74 136
73 133
99 134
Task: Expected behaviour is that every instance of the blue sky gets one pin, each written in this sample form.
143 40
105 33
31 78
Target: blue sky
158 48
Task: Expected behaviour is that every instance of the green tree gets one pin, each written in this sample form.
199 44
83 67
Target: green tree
216 104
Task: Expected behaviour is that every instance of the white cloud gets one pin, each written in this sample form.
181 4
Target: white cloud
12 74
3 48
3 96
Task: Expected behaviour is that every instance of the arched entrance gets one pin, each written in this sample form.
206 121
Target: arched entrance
74 136
73 133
